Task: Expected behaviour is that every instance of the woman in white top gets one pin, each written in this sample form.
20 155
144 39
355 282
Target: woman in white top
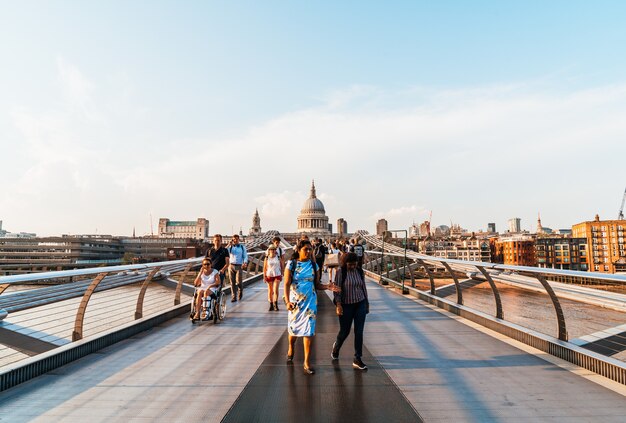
272 274
207 284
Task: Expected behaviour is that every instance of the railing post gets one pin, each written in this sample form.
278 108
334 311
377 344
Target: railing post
459 295
496 293
142 293
179 286
77 334
412 277
430 276
560 317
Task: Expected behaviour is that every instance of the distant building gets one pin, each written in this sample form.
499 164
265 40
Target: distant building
466 247
184 229
255 230
606 243
342 227
491 227
559 252
381 227
542 230
442 230
516 250
515 225
312 218
96 249
7 234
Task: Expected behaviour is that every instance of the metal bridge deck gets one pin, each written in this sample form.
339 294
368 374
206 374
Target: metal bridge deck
441 367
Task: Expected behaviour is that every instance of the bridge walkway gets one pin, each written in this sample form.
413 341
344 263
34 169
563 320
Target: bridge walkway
438 367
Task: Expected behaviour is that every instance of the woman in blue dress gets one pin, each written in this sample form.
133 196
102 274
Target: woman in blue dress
302 278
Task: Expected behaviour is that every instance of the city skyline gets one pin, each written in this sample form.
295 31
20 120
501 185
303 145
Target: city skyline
478 113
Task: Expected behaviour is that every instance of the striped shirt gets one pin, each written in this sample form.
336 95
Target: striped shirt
353 290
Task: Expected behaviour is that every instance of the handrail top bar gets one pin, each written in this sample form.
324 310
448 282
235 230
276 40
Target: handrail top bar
95 270
91 271
505 267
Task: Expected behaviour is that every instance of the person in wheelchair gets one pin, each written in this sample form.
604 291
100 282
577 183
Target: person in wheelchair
207 284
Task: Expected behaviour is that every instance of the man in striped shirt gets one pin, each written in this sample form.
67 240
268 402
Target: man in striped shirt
352 306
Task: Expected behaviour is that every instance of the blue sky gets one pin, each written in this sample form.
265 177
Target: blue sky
478 111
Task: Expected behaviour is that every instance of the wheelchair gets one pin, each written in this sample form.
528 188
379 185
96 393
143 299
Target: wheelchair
212 308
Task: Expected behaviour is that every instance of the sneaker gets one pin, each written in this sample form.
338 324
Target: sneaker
358 364
335 352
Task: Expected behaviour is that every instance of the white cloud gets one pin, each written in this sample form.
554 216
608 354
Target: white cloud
475 156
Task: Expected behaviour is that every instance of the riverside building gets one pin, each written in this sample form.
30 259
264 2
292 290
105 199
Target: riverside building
606 241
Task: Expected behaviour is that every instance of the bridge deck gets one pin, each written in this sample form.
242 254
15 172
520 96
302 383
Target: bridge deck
446 369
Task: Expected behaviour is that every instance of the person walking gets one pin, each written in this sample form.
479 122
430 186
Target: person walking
352 306
320 252
237 262
302 278
332 269
272 275
218 256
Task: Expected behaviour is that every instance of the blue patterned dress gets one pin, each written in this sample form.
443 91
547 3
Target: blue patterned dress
301 320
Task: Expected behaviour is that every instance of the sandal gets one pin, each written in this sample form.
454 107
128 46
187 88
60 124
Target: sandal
309 370
289 358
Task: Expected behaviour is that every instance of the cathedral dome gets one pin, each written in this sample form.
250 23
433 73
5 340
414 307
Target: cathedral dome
312 204
312 218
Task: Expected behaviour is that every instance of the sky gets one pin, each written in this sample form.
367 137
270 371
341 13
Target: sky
114 114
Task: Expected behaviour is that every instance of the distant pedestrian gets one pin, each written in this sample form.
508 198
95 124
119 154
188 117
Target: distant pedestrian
359 250
320 252
272 275
238 261
332 269
279 251
352 305
219 256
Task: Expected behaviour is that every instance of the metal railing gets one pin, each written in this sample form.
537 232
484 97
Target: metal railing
386 267
98 279
490 272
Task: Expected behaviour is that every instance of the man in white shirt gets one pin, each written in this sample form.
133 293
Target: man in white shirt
237 261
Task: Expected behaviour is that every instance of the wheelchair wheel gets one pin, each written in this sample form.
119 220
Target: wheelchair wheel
222 307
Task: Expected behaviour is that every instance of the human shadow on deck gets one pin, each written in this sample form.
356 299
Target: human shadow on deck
393 362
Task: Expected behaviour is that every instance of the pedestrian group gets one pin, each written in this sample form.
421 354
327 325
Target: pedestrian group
301 276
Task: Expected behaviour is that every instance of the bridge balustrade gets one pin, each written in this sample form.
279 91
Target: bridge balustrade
390 264
64 285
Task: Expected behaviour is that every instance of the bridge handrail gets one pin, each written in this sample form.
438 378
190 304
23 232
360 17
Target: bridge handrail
480 270
31 277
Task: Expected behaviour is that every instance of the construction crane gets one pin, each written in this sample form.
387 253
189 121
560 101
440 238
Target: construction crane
620 216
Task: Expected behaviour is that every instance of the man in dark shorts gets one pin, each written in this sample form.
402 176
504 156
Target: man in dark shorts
218 255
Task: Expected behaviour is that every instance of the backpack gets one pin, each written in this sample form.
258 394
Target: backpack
320 251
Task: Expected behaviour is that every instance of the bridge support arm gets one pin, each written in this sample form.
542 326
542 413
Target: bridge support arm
430 276
179 287
459 294
560 317
77 334
496 293
142 293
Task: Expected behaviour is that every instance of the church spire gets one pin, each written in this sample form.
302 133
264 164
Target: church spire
313 189
539 226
